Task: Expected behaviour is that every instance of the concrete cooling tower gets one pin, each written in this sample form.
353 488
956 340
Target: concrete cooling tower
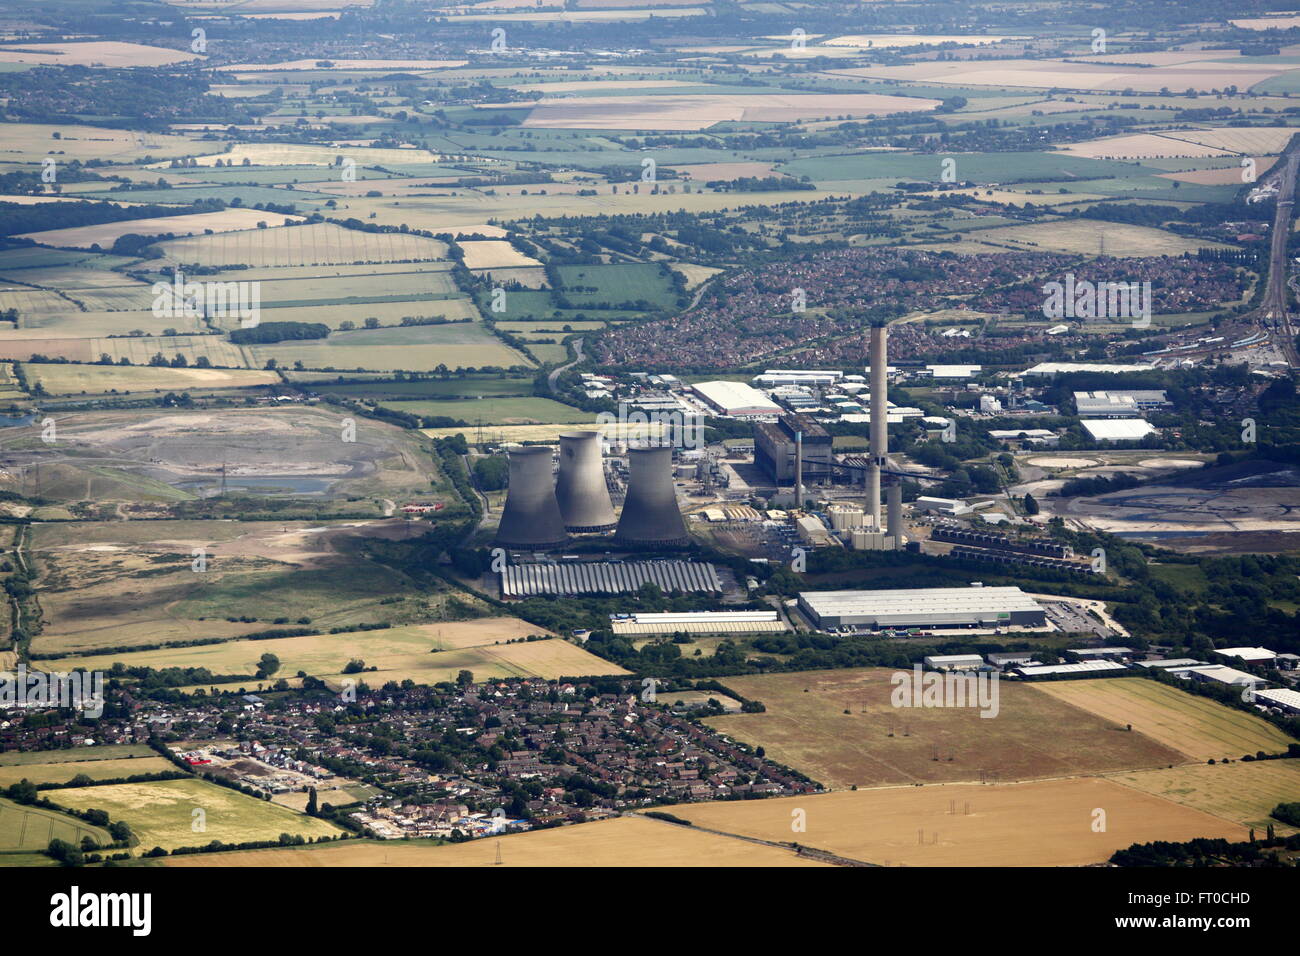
531 518
650 514
580 488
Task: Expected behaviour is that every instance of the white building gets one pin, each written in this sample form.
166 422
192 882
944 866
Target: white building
1251 655
954 662
736 399
1118 429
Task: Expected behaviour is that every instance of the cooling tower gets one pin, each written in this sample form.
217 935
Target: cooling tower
879 420
580 488
531 518
650 514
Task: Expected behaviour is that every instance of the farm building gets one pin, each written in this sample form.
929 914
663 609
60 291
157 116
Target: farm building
699 622
923 607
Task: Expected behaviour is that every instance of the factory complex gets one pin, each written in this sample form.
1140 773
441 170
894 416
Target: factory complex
970 607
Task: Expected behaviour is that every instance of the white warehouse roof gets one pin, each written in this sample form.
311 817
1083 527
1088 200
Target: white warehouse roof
1055 368
1084 667
1284 698
1248 654
922 606
736 398
1118 429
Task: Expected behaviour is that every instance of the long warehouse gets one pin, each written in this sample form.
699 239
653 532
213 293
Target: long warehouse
923 607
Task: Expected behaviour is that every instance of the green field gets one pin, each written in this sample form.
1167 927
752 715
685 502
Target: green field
162 813
496 411
616 284
66 771
22 758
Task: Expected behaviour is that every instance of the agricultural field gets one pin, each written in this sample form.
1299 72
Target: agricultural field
806 727
115 585
319 244
95 53
1044 823
622 841
100 379
31 829
162 813
66 771
1198 727
228 220
494 411
425 653
32 142
1243 793
414 348
590 286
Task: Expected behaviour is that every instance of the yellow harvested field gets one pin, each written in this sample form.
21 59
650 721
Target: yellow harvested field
1244 793
106 53
343 65
1045 823
162 813
1080 74
321 243
841 728
699 111
1085 237
622 841
1226 176
301 154
64 772
495 254
1142 146
72 379
32 142
713 172
1267 23
1201 728
105 234
692 273
425 653
577 86
1268 140
869 41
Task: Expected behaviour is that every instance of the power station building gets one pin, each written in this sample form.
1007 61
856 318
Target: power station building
923 607
774 449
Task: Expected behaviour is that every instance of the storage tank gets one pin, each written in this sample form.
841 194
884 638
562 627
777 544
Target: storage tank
531 517
580 487
650 514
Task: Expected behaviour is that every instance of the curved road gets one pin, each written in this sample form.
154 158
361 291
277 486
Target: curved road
555 373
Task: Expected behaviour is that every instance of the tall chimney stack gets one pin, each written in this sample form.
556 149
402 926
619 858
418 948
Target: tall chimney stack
879 418
798 469
894 493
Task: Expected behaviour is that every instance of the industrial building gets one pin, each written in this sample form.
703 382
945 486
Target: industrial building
1068 670
923 607
1287 700
954 662
1117 429
774 449
569 578
736 399
698 622
776 376
1119 404
1044 369
1251 655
